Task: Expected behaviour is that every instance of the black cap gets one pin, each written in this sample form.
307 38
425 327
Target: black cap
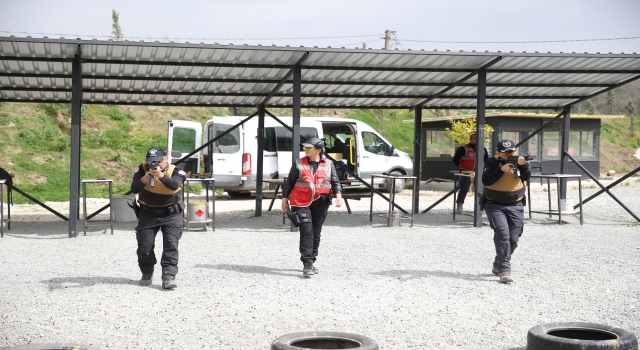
155 154
313 142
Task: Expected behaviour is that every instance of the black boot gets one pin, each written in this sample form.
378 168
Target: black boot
307 271
147 279
169 283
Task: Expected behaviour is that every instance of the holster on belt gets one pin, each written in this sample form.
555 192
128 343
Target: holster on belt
136 208
471 173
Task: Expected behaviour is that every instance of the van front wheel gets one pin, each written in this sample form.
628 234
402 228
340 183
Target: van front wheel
400 183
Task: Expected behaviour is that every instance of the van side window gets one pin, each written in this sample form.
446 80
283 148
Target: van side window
270 140
285 138
374 144
229 143
184 140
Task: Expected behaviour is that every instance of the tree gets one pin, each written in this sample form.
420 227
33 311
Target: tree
116 33
630 112
611 101
241 111
591 107
461 130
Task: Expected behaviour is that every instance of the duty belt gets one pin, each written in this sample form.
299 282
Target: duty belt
161 211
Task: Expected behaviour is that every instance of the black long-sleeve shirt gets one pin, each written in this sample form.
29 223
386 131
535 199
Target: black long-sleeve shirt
460 153
492 172
294 174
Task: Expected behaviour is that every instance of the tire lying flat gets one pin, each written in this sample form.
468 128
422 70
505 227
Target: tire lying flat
579 336
323 340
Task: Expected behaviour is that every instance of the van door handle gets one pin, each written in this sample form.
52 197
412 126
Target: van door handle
365 156
220 159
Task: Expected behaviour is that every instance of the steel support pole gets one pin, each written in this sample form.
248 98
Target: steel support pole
479 161
74 173
564 160
297 92
417 137
260 166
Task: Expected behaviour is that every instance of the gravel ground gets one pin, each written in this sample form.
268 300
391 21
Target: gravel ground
423 287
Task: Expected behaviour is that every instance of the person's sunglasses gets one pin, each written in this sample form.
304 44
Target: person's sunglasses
506 152
308 148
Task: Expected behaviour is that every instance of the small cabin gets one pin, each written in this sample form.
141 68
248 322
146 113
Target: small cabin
438 148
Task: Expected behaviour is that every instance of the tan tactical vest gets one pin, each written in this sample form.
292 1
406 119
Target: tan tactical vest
507 189
159 195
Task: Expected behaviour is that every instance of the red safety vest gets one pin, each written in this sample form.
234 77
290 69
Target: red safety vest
309 187
468 161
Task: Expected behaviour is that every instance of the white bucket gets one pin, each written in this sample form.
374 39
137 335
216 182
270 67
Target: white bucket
198 211
121 210
566 204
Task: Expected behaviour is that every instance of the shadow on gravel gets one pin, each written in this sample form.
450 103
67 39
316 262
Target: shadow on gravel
253 269
78 282
56 235
405 275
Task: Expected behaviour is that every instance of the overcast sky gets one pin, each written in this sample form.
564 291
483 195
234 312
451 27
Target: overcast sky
417 23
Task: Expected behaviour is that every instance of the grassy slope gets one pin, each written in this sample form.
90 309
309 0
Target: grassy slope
35 141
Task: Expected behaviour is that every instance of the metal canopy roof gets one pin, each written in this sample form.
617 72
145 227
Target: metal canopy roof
145 73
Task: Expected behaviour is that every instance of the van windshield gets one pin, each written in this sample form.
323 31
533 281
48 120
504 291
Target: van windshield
229 143
285 137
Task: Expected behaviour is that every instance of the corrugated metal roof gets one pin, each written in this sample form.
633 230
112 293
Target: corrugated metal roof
226 75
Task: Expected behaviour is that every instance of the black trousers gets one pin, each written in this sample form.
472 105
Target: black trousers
310 231
464 184
148 226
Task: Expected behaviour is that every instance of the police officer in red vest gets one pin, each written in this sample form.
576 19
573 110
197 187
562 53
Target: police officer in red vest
160 189
464 159
308 190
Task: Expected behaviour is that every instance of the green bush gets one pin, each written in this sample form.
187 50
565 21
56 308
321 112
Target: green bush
116 113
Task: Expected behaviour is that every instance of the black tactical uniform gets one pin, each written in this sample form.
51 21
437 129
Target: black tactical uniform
161 208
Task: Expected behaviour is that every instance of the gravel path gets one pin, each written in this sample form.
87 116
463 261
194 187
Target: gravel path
240 287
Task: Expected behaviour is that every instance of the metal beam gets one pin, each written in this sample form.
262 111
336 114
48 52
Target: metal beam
564 162
275 81
479 156
76 118
275 105
602 186
611 87
273 93
260 160
417 137
564 71
460 81
611 185
539 129
286 76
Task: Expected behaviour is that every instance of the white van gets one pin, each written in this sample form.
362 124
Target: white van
233 160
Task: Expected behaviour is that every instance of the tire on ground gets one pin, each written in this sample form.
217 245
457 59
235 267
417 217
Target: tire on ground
400 183
578 336
323 340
